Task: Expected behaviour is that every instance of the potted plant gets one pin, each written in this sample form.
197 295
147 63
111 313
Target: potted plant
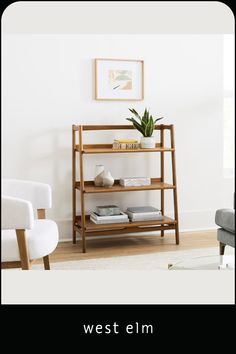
145 125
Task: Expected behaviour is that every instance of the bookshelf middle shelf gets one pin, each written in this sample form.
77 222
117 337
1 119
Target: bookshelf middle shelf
156 184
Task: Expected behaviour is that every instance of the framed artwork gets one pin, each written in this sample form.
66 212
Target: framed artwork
119 79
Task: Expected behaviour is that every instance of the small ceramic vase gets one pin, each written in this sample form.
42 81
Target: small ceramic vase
99 172
108 180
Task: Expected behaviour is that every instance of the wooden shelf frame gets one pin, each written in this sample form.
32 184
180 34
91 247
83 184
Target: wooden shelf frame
82 224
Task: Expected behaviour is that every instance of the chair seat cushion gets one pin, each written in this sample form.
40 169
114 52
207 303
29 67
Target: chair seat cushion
42 240
225 218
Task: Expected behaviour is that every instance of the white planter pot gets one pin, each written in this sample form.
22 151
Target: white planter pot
147 142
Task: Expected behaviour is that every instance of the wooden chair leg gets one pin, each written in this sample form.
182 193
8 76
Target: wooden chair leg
222 248
42 215
46 263
23 249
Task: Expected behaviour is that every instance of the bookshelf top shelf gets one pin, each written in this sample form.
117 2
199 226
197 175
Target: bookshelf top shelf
116 127
107 148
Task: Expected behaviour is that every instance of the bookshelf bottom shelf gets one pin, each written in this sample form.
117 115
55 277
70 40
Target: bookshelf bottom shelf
92 229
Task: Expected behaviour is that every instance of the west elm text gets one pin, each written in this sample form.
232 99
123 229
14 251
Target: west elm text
114 328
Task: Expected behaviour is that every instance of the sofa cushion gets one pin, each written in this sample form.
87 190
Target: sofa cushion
42 240
225 218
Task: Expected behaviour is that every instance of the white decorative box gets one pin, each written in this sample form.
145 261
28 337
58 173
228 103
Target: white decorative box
135 181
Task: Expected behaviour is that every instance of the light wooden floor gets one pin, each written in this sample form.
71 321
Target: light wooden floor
131 245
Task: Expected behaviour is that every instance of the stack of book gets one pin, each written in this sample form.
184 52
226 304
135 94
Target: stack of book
108 214
125 144
144 213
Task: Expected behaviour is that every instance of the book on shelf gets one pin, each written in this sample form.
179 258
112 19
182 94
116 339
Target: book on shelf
143 209
125 144
121 215
97 219
126 141
135 181
144 213
145 217
109 221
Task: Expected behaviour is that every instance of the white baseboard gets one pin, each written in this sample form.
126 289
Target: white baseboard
190 221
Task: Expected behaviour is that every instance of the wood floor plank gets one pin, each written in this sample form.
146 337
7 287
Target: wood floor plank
132 245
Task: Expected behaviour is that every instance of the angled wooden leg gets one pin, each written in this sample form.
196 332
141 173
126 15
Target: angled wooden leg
74 236
222 248
162 176
177 234
46 262
23 249
175 186
82 190
162 207
73 183
83 242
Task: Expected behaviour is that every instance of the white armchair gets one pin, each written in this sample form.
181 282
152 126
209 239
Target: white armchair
25 238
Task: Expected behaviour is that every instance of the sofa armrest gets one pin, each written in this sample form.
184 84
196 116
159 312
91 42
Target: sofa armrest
225 218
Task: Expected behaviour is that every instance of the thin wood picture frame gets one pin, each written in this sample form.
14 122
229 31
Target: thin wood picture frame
119 79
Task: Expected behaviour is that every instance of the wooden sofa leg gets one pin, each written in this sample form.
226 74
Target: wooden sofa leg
222 248
23 249
46 263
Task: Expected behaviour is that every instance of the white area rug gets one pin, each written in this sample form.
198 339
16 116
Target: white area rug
150 261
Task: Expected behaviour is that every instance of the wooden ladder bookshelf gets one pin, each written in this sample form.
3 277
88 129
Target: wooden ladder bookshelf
82 223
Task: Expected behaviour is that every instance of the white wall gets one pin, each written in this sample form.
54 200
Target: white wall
48 83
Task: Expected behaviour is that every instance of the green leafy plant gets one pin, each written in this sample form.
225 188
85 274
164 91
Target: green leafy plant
145 124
